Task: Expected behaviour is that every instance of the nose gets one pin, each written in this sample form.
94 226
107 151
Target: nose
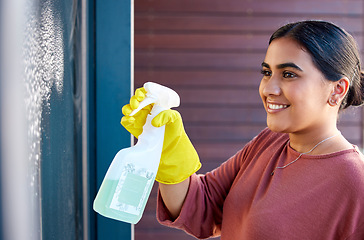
269 87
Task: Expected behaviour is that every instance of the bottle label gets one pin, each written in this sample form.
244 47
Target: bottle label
132 190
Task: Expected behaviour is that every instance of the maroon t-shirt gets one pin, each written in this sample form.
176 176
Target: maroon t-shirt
317 197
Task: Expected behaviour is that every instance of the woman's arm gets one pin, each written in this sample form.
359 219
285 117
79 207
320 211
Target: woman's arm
174 195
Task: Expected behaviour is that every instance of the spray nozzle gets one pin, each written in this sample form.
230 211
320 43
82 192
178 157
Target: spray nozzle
161 96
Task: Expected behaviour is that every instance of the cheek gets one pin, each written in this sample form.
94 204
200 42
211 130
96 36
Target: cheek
307 99
301 92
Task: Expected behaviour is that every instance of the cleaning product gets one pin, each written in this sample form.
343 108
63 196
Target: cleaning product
127 184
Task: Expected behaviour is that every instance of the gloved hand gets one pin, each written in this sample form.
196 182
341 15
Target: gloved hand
179 159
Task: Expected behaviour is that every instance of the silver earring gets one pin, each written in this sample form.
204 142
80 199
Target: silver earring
333 102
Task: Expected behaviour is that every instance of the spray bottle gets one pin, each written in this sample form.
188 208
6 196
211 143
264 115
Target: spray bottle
129 180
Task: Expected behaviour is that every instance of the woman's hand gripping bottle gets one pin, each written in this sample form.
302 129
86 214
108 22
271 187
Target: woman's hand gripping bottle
127 184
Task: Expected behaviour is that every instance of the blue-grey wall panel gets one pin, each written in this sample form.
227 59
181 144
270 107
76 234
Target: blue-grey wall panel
112 91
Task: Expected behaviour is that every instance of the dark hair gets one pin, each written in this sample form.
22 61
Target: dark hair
334 52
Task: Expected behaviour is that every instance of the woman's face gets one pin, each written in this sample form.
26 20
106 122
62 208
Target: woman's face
295 93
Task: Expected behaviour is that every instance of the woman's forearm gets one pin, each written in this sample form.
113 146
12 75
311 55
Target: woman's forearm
174 195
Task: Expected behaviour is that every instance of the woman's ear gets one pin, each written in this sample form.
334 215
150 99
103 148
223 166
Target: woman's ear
340 89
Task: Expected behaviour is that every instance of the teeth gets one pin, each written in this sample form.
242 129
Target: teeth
276 106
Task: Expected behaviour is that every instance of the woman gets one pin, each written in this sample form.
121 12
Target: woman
299 178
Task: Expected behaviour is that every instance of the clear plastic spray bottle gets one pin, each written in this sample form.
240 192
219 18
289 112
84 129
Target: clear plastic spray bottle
127 184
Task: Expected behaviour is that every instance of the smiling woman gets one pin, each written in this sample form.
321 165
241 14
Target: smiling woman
333 51
294 91
311 71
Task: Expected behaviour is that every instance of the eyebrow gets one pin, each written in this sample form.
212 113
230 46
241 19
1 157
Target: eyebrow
283 65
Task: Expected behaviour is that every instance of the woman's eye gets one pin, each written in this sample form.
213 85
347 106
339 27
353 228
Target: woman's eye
289 75
266 73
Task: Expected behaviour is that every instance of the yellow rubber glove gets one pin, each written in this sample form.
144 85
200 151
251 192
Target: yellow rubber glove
179 159
134 124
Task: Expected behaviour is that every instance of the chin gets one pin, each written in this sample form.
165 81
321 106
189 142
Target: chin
278 129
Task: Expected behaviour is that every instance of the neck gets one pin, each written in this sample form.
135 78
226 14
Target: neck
304 142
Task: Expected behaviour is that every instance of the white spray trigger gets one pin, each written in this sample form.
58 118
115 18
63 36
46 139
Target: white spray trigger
162 97
148 100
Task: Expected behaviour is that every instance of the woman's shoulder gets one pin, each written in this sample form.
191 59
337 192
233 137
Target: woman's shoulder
353 161
349 165
265 142
267 137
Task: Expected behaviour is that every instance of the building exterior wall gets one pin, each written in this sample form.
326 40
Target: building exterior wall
210 52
